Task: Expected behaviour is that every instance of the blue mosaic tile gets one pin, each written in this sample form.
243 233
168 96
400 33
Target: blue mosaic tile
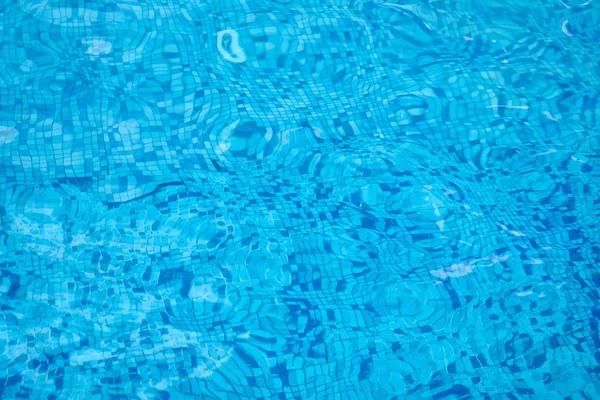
275 199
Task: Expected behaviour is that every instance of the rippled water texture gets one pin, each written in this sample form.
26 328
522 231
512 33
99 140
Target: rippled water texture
299 199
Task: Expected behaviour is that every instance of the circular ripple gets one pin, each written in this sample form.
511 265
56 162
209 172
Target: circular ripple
229 47
245 141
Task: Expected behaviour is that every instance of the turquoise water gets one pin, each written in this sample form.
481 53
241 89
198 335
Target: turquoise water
227 199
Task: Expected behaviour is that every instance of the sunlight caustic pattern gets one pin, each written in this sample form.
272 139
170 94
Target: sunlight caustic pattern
307 199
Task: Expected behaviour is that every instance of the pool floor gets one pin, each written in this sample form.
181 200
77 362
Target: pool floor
307 199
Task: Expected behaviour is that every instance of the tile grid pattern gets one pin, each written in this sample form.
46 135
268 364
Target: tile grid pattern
355 199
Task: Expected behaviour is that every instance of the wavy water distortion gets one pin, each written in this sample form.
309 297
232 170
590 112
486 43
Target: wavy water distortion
308 199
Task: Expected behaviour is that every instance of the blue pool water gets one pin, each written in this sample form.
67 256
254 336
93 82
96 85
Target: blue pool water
299 199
